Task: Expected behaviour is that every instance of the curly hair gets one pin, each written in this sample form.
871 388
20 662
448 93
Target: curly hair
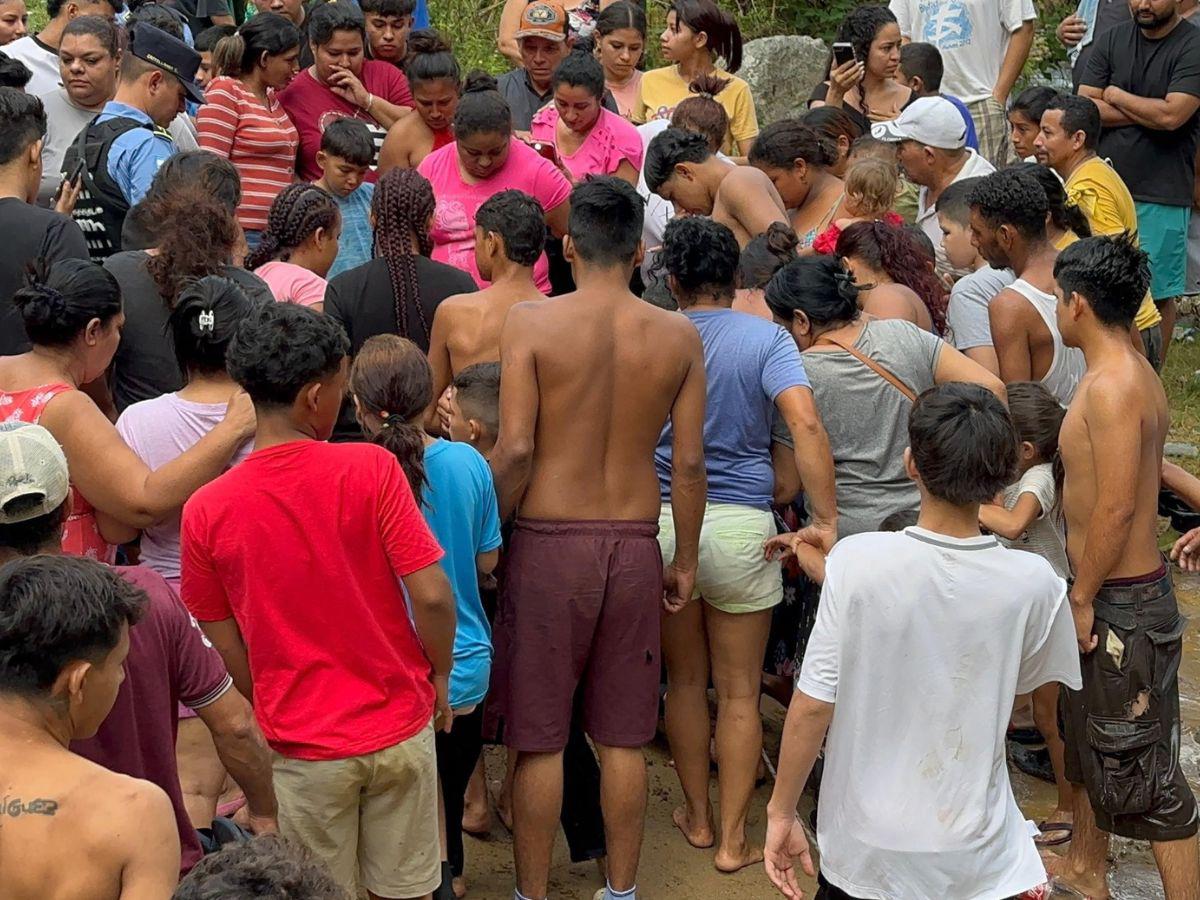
860 27
268 866
701 255
281 347
402 206
297 213
195 234
392 379
891 250
1015 198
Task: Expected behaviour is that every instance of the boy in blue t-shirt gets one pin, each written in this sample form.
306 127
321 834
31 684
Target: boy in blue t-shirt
346 155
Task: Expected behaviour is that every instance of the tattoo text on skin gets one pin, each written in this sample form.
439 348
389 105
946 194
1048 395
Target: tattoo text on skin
14 808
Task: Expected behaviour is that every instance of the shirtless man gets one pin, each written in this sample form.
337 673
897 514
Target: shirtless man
682 169
69 829
510 232
1122 730
1008 227
588 381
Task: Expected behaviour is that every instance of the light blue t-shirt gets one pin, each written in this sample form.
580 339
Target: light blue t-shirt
356 241
135 156
459 503
748 363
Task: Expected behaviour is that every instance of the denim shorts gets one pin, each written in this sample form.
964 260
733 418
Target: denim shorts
1122 730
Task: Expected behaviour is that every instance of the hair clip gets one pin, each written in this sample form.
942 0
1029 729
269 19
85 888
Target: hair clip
207 321
387 421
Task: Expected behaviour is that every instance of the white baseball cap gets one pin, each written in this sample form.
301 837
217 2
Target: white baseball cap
933 121
33 473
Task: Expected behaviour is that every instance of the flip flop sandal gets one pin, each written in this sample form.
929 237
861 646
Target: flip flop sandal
1050 827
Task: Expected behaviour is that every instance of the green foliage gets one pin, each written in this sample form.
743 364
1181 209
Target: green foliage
471 26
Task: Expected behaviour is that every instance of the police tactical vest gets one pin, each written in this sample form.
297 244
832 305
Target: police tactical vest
101 208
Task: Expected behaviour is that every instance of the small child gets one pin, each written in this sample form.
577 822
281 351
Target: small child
298 246
392 386
871 188
970 329
474 407
907 194
346 156
1029 521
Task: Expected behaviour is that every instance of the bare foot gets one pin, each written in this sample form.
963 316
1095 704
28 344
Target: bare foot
503 810
477 820
1091 885
459 886
701 837
730 862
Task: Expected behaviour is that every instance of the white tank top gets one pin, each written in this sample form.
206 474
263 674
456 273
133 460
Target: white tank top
1067 365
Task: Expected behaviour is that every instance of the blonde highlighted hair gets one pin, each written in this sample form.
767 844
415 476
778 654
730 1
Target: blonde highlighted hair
871 186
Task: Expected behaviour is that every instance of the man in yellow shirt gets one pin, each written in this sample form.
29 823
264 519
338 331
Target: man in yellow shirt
1070 132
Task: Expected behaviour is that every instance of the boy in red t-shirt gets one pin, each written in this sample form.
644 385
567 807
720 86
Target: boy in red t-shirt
293 563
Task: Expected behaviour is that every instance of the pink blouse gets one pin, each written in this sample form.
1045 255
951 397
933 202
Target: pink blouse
611 140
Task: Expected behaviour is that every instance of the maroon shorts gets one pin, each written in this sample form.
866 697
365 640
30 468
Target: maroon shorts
579 610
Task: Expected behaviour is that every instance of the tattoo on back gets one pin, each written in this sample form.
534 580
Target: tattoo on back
14 808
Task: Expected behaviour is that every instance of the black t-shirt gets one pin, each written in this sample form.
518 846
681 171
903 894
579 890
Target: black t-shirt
144 366
821 91
361 299
1109 13
30 232
1157 166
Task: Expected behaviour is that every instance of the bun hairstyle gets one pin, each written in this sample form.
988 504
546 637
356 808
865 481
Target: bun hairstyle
818 286
765 255
204 321
782 143
430 59
702 113
59 300
392 380
724 34
580 69
268 33
481 109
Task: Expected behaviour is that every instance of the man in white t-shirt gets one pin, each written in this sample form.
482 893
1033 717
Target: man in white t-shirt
933 153
939 628
984 45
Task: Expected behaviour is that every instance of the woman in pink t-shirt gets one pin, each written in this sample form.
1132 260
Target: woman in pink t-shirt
485 159
342 83
589 139
299 246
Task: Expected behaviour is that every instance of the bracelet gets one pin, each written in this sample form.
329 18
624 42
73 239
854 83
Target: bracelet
370 100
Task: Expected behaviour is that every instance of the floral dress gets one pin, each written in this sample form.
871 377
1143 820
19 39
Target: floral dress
81 534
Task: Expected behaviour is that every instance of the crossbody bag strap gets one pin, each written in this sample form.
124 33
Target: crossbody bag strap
873 366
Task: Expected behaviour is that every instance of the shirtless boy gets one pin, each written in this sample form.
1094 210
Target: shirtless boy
1122 730
69 829
682 169
510 231
588 381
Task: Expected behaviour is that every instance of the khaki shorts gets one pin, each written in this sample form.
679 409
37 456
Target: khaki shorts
376 815
733 575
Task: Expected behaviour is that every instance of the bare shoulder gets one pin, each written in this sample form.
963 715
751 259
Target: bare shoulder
456 303
745 178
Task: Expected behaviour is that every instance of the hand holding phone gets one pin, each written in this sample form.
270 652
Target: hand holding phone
842 53
69 189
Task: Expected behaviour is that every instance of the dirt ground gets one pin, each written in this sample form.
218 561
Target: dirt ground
670 867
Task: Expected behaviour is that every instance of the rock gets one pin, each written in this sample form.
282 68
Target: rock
1187 451
782 71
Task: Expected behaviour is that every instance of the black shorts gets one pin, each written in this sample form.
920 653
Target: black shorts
1122 729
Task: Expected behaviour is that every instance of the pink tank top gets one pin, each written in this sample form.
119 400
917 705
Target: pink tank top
81 535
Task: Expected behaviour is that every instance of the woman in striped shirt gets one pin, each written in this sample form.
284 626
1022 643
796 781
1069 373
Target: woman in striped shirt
244 121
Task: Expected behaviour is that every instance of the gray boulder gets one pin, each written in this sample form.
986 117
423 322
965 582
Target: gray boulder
782 71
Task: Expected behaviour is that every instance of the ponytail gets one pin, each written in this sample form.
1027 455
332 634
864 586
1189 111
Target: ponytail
268 33
392 381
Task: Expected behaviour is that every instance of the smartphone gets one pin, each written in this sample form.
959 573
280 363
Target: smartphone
546 150
77 172
842 54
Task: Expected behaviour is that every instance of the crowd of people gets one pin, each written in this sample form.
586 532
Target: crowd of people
358 411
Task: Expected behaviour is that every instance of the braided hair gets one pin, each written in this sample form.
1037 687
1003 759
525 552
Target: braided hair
297 213
402 206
